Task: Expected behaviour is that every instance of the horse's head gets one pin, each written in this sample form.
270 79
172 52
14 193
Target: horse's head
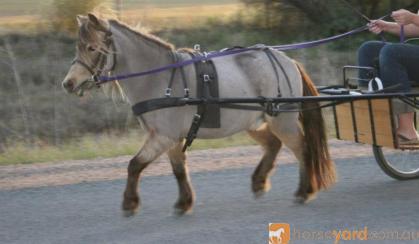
93 48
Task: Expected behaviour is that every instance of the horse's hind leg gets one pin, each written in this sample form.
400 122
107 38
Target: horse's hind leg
180 169
271 145
286 128
153 148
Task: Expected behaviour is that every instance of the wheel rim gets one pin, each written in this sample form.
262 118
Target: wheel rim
402 162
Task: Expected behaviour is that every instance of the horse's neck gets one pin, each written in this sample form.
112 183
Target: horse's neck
135 54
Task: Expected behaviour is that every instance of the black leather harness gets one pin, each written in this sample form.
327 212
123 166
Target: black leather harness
208 115
207 87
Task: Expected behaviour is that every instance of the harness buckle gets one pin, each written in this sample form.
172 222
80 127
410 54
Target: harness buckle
205 56
96 81
272 109
196 118
186 90
207 78
193 131
168 92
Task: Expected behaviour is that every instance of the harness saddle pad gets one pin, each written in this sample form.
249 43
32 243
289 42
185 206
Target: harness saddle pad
207 87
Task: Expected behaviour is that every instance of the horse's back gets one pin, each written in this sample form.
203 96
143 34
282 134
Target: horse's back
252 74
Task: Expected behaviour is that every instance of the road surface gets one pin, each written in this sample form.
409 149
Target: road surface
79 202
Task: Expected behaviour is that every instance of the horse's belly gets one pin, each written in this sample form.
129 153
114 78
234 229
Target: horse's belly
232 122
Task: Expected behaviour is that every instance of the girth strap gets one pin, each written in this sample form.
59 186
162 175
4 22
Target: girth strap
207 87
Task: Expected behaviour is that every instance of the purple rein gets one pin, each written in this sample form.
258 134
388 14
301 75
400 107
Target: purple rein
402 34
103 79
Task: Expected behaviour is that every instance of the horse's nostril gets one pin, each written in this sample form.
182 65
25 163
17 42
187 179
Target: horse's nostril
69 84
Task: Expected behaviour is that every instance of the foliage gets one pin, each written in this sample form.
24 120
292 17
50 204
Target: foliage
322 16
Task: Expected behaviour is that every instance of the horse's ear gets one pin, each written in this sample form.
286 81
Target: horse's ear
93 19
97 23
81 19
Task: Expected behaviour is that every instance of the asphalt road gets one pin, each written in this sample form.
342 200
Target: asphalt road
225 211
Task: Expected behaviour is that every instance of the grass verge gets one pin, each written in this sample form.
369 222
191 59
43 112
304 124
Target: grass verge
98 146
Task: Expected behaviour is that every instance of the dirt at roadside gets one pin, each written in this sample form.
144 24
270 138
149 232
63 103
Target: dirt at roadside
73 172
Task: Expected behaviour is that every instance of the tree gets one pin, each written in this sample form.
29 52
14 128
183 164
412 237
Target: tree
332 16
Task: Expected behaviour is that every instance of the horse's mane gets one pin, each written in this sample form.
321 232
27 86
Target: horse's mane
108 16
142 33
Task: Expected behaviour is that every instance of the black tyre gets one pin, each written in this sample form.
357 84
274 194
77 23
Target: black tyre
399 164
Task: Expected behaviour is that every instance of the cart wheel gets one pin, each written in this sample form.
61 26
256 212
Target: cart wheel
399 164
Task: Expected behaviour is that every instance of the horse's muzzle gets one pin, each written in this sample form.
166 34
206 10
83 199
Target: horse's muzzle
68 85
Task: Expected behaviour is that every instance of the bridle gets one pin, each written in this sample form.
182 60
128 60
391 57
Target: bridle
98 65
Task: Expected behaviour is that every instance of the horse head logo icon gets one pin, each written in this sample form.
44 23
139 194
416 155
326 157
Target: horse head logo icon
279 233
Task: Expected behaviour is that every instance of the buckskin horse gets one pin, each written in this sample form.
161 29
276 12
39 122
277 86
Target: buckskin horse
108 45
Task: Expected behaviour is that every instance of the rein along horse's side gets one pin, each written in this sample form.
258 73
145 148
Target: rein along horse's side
109 45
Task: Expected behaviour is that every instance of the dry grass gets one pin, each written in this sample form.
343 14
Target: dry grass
153 16
17 24
175 17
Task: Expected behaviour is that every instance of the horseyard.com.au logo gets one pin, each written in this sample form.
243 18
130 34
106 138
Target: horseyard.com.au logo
279 233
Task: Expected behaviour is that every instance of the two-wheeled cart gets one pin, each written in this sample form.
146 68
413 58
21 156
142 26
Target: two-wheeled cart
371 118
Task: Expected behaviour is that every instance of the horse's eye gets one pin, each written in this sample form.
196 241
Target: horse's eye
91 49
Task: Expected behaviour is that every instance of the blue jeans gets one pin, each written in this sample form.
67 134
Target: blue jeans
397 63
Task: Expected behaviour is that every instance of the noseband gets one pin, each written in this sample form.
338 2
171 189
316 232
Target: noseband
97 68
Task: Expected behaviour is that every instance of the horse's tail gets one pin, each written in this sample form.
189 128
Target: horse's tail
319 166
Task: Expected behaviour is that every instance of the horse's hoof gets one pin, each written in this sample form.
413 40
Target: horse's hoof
305 199
183 207
130 206
259 194
181 212
128 213
260 189
311 197
300 200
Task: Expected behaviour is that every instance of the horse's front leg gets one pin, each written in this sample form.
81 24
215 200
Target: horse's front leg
186 195
154 146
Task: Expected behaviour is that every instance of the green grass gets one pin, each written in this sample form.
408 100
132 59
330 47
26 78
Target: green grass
94 146
236 140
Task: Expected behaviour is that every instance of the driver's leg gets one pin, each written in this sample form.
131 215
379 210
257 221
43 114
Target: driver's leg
368 54
398 67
